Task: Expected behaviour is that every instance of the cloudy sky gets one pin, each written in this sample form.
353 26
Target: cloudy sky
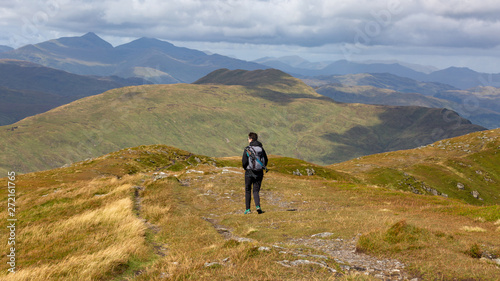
429 32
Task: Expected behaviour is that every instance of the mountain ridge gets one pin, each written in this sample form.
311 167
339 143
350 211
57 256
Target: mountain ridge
459 77
91 55
290 116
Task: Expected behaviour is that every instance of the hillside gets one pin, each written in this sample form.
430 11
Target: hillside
157 212
382 96
214 119
383 81
483 102
481 106
147 58
27 88
464 167
18 104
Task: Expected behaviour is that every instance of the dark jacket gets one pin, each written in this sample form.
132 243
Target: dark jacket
244 159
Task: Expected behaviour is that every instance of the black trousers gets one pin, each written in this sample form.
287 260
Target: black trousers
253 178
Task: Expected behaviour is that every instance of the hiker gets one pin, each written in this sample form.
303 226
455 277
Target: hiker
254 162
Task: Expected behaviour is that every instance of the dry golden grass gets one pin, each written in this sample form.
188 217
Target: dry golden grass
84 230
92 228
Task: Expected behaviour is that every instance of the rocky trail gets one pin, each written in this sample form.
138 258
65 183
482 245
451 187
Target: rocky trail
342 251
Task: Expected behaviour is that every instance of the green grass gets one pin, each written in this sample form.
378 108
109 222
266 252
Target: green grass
73 234
469 161
398 238
292 120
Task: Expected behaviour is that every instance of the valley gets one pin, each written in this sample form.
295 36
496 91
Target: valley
124 163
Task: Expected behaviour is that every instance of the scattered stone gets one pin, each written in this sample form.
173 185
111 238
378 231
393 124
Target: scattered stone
434 192
297 173
345 254
165 275
194 171
322 235
159 175
284 263
212 264
310 172
264 249
288 263
488 255
242 239
475 194
197 159
460 186
323 257
227 171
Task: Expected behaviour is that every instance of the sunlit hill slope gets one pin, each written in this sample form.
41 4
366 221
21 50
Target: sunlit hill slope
465 167
213 117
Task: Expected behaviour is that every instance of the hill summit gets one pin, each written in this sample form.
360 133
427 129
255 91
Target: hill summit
213 119
254 78
271 79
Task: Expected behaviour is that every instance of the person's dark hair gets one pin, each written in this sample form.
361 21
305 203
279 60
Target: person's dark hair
253 136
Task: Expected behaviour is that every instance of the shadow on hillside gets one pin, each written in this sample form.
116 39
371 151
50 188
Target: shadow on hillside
286 98
400 127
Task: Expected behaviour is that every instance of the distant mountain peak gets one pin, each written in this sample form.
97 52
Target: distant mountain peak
88 40
146 43
91 36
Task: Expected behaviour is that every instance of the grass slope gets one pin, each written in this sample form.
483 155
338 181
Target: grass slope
479 106
383 81
212 119
157 212
455 167
28 88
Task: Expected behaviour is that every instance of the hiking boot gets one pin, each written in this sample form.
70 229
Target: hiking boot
259 210
247 212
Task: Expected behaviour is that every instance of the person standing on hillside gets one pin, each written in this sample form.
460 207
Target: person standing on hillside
254 162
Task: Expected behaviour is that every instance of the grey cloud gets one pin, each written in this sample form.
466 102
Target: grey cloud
451 23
